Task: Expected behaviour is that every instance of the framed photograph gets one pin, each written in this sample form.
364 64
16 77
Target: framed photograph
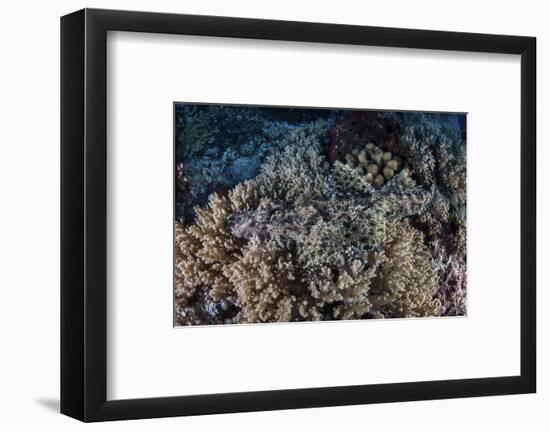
261 215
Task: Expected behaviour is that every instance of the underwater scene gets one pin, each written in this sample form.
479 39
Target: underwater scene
306 214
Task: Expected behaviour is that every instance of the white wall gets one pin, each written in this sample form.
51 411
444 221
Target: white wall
29 228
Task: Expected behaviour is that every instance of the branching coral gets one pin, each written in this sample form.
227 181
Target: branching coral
203 249
350 181
307 239
451 291
405 284
263 279
343 296
418 142
296 168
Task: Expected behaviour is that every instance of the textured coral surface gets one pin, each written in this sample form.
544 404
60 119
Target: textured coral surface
287 215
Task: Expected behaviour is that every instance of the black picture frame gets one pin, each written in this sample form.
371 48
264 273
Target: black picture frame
84 214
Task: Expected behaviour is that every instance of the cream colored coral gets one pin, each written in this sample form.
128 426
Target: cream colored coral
405 281
263 278
348 291
307 241
297 169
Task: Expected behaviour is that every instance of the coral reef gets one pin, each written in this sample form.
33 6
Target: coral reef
405 284
356 128
451 284
301 215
